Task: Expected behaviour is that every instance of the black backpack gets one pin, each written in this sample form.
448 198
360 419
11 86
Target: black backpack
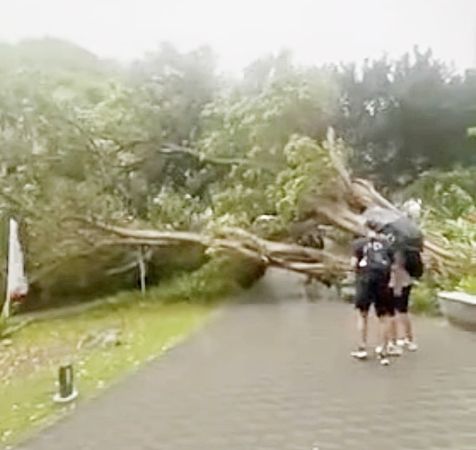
405 237
413 262
376 256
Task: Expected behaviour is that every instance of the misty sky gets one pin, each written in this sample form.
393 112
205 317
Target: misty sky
239 31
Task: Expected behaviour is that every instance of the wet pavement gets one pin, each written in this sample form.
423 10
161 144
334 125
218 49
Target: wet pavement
274 373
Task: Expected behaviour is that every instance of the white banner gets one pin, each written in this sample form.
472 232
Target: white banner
17 284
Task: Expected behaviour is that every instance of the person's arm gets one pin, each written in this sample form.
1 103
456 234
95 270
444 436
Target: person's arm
357 247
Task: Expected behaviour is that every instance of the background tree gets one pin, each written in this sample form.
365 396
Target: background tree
406 116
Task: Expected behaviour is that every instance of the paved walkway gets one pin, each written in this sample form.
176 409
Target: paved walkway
276 375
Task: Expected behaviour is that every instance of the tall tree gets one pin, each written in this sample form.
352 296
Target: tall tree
406 116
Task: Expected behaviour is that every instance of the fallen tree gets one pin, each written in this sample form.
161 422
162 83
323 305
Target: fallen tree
136 155
341 211
318 263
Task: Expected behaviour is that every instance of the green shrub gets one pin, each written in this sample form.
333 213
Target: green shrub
219 278
467 284
424 299
451 193
3 327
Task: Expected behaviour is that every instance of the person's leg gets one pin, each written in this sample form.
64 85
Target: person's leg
400 310
392 348
384 309
362 306
389 307
384 327
362 327
393 329
381 349
404 319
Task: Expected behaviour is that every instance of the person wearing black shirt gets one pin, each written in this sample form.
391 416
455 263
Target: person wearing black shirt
373 259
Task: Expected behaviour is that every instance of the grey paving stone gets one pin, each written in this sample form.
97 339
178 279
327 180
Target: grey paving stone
274 373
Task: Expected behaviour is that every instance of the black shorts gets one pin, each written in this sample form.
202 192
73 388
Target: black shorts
373 289
401 301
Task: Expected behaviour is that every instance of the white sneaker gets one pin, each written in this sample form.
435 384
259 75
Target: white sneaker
360 353
412 346
394 350
409 345
401 342
384 361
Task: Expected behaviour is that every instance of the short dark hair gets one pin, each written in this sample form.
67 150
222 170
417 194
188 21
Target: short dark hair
373 225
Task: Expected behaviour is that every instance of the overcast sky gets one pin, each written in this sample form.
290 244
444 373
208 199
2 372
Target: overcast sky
241 30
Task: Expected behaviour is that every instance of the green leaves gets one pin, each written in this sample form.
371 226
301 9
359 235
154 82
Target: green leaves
468 284
405 116
450 194
276 168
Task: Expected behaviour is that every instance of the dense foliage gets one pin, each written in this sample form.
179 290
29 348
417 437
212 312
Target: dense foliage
406 116
168 143
450 211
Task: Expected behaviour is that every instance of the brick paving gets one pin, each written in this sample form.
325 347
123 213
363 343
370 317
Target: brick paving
274 373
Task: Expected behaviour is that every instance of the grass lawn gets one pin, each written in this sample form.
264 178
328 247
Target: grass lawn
28 367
